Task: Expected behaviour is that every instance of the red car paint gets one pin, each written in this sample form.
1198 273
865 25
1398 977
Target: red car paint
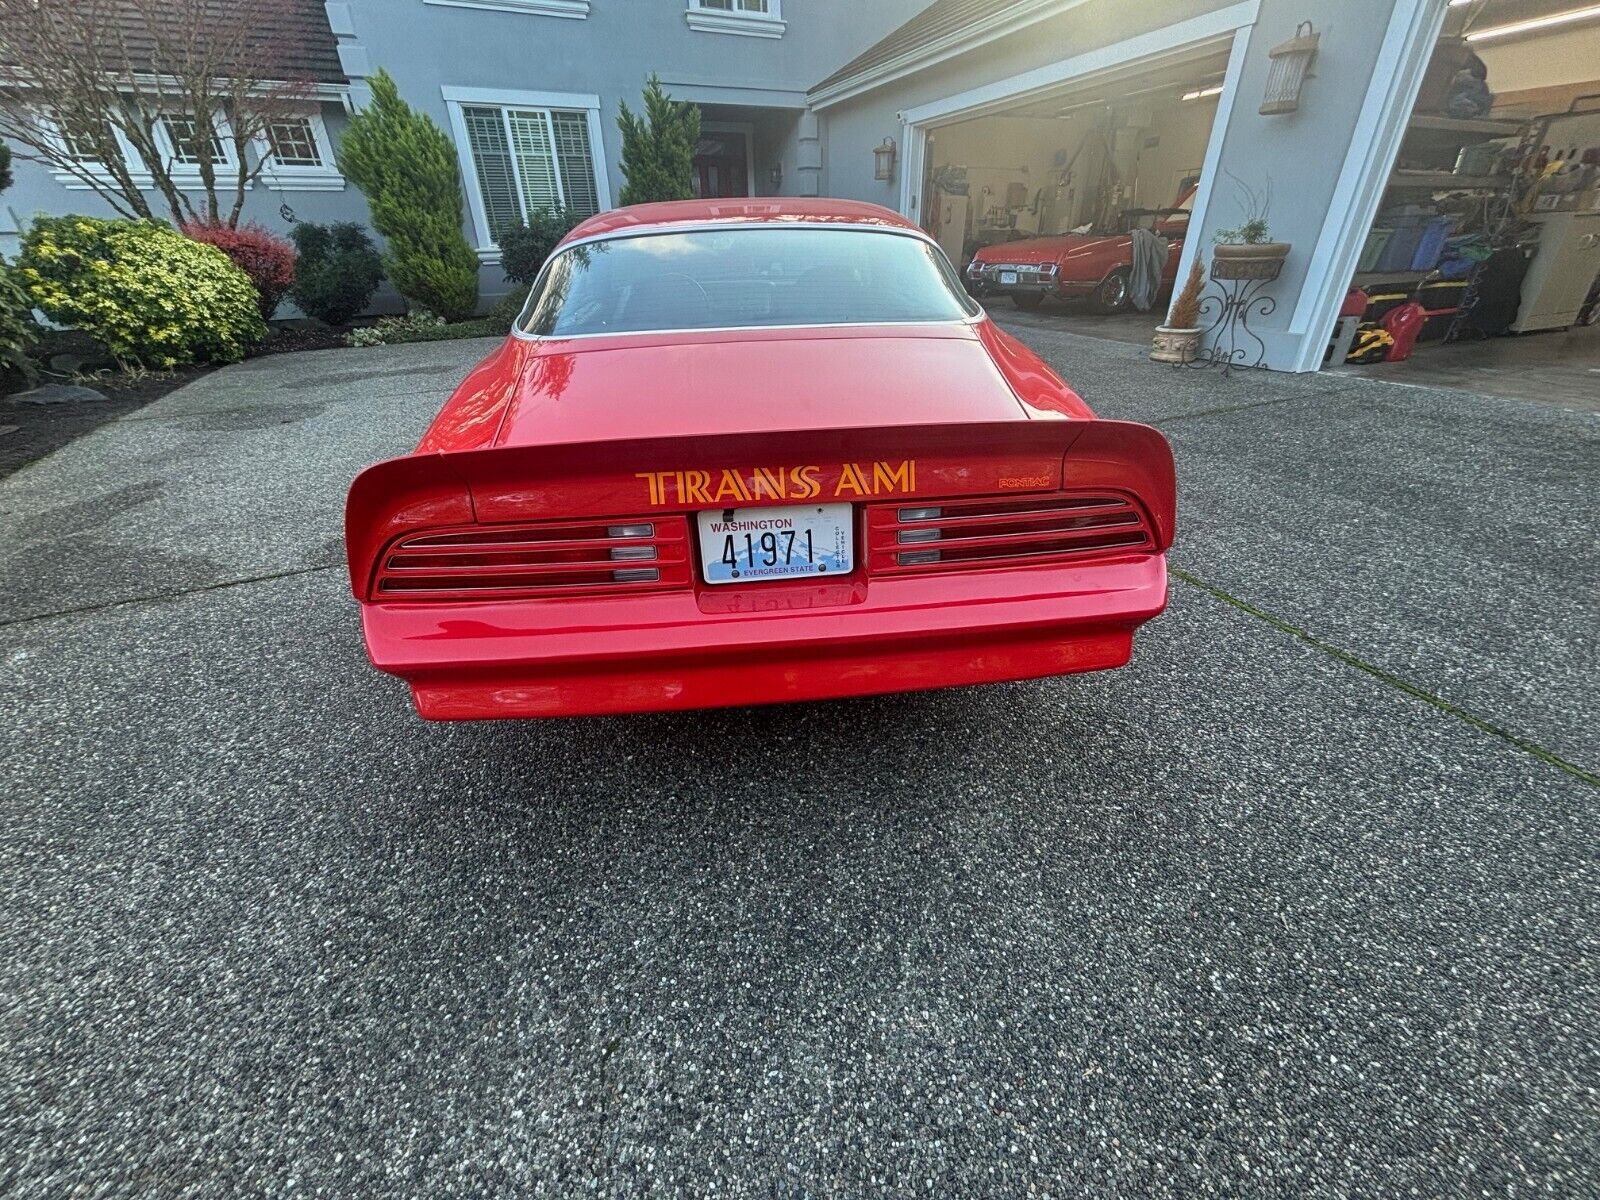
1053 525
1073 265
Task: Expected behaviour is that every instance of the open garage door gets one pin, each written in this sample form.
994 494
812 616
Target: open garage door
1038 202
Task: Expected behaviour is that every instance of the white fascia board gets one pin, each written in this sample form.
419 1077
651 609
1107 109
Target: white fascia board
979 33
1157 43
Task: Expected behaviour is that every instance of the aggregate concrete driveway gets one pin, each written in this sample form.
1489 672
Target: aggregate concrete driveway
1302 903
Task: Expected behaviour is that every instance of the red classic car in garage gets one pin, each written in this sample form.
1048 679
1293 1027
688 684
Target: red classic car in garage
738 452
1096 267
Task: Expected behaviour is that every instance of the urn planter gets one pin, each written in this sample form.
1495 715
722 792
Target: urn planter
1248 260
1171 345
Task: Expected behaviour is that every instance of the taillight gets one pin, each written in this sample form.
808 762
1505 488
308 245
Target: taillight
1000 531
554 558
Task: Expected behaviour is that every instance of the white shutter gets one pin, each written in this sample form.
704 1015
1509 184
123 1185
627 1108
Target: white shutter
577 162
497 182
530 147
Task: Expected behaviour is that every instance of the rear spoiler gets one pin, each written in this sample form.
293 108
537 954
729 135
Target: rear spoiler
635 478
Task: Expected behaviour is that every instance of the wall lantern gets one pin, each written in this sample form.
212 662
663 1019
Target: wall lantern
883 160
1291 62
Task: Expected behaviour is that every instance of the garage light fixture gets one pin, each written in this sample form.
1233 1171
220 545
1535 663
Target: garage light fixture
883 160
1291 62
1590 13
1201 93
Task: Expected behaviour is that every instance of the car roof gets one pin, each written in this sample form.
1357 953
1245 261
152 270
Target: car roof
638 218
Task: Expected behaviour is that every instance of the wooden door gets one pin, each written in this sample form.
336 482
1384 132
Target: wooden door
722 164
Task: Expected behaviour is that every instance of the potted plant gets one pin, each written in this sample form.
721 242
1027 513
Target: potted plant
1178 341
1246 251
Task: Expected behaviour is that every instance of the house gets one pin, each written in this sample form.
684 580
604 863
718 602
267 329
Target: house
530 91
983 120
298 179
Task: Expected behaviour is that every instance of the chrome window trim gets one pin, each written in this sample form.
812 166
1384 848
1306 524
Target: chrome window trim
702 224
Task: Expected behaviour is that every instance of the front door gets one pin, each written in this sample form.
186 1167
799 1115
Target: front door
722 164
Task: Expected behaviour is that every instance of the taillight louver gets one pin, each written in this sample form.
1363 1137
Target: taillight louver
554 558
999 531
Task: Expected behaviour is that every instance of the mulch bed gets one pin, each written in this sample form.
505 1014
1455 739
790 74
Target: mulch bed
30 431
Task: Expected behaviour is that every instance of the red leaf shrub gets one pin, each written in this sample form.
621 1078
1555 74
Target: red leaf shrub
266 258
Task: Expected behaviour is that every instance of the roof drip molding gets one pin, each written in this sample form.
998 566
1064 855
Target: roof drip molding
943 30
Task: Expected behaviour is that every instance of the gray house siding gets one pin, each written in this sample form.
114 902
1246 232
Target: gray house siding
38 190
516 48
488 47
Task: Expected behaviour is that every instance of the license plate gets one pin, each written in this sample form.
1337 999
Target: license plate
754 545
1008 276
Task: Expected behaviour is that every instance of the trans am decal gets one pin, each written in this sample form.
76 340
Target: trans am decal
847 481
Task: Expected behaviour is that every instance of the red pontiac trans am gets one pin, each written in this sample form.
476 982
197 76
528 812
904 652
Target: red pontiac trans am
754 451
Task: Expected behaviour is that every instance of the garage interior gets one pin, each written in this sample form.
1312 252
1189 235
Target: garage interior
1097 156
1484 256
1482 266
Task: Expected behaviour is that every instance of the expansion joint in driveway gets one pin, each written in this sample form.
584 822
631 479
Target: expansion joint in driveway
160 597
1394 681
1245 407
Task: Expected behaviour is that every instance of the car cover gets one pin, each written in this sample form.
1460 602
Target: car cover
1149 260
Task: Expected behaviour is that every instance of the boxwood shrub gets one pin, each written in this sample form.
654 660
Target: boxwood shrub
153 296
338 270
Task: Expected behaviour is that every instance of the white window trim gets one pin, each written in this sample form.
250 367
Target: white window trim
280 177
187 175
769 24
456 97
574 9
75 182
184 177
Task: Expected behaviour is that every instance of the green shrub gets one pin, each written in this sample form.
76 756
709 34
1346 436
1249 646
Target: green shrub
18 331
419 325
524 248
406 165
658 147
507 309
336 272
153 296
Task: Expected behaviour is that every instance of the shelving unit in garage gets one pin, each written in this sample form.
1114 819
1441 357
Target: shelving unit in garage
1499 167
1400 262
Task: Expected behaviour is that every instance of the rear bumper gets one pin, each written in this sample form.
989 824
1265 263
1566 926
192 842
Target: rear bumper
548 658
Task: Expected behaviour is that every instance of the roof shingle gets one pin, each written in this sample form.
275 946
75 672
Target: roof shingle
292 36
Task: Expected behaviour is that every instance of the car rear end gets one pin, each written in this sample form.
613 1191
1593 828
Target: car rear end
741 454
559 581
1012 270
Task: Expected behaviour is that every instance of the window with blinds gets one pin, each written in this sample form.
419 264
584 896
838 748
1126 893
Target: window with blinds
530 158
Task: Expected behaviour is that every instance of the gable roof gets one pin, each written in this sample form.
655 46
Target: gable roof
942 25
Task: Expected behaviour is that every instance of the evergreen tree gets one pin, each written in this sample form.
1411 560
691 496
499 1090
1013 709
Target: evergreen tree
406 165
5 166
658 147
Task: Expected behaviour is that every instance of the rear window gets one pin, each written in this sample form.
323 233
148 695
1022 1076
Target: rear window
732 278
